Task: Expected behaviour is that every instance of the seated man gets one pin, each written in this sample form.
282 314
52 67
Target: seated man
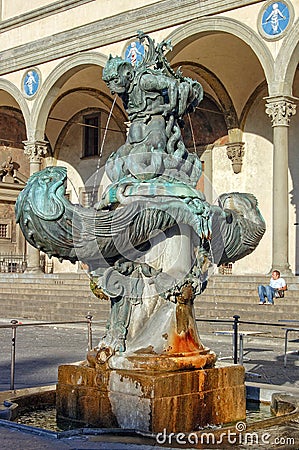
275 289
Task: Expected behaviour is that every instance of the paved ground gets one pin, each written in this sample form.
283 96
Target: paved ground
41 349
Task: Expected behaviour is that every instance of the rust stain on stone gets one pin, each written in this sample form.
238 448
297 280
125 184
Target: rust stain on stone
184 342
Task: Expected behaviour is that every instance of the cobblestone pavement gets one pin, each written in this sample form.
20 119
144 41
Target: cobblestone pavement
41 349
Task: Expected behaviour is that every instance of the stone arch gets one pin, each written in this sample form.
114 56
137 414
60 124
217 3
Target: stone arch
257 94
12 121
286 63
73 120
11 89
52 85
105 99
205 127
204 26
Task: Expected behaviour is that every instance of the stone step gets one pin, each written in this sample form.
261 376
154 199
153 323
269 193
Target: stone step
47 294
43 281
33 306
82 286
258 279
48 300
36 276
35 303
227 309
60 309
241 287
50 295
61 297
82 280
245 299
57 314
250 283
275 315
79 277
245 296
289 309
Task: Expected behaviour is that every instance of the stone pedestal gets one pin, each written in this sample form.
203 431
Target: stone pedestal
157 401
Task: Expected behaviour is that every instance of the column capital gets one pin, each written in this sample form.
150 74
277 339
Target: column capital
280 109
35 150
235 152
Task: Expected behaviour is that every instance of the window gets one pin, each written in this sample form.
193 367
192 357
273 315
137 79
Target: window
3 230
91 135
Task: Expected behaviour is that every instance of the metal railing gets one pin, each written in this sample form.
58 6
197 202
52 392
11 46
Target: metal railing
225 269
11 263
238 337
15 324
235 327
235 323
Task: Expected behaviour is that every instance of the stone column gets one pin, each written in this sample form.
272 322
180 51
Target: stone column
280 109
35 150
208 174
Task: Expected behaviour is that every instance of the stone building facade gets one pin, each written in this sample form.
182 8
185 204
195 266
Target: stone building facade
54 106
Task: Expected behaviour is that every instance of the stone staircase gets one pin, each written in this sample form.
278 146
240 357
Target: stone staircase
57 297
228 295
67 297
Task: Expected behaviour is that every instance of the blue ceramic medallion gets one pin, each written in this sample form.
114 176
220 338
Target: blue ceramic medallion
31 82
275 18
134 53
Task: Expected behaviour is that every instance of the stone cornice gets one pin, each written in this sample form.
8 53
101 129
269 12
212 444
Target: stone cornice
40 13
150 18
10 191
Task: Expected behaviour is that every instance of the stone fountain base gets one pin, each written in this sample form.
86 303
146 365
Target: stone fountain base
180 401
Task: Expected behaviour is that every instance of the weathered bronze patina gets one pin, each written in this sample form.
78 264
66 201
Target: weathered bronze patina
149 241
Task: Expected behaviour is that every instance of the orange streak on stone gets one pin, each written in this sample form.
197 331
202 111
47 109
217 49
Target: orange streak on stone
183 343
